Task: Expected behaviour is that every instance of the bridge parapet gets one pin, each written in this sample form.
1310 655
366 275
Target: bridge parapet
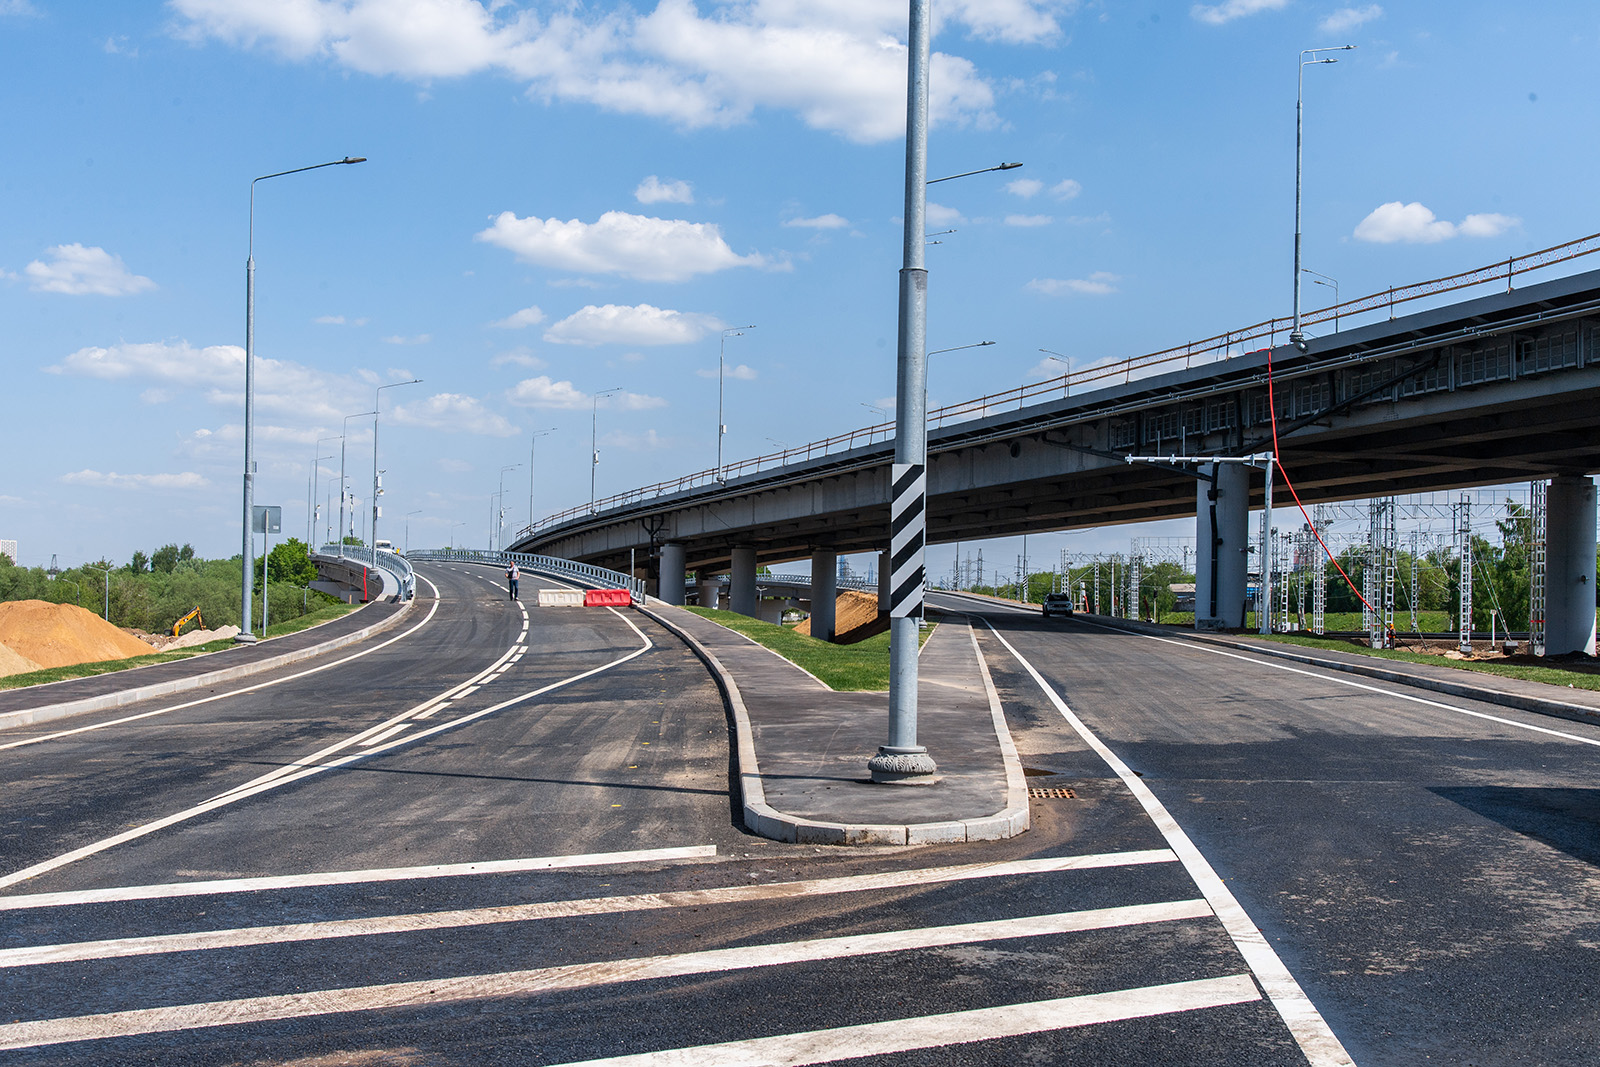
585 573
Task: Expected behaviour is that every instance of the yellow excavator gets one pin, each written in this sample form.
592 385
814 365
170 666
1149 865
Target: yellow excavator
195 615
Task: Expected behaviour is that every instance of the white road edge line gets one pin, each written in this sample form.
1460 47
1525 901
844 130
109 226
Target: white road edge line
1334 676
575 976
951 1028
237 795
325 878
116 948
233 692
1311 1032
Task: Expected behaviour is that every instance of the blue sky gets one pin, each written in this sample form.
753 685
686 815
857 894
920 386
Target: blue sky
562 199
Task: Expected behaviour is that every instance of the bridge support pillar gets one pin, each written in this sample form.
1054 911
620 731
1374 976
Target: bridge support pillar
1569 597
710 590
673 574
742 587
824 594
1222 531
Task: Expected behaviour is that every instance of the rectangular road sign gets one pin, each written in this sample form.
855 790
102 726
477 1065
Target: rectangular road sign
266 518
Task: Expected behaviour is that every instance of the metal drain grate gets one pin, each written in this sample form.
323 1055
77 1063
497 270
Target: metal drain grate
1052 794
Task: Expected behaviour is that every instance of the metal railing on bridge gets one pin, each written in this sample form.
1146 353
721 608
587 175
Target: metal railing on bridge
391 563
1208 350
598 577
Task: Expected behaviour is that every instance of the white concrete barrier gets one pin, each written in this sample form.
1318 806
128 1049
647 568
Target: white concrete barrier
561 598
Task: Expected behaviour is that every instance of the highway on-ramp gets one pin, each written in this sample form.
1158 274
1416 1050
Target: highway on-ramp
502 834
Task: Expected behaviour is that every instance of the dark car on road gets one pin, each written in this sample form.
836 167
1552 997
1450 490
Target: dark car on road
1057 604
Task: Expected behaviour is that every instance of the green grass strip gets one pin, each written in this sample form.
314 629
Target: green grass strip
861 667
89 670
1548 675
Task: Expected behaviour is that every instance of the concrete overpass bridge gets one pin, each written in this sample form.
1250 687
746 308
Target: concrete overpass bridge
1501 388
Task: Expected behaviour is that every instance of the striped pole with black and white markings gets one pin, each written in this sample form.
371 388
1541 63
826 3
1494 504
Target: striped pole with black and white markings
908 535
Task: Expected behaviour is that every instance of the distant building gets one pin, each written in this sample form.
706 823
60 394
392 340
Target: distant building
9 549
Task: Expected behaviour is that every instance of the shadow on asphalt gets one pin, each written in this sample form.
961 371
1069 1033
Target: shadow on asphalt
360 769
1566 819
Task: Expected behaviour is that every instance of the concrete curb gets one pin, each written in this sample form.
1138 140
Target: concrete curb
763 819
1522 702
47 712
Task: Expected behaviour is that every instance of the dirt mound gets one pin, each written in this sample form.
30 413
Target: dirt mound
168 643
855 618
11 663
59 635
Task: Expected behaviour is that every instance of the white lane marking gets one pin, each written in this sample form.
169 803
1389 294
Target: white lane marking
114 948
430 712
397 728
279 778
1333 676
376 874
1311 1032
576 976
951 1028
233 692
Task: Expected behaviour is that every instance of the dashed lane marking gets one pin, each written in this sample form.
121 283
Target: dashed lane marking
442 920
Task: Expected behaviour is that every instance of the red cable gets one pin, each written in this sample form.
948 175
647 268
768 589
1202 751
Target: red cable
1272 413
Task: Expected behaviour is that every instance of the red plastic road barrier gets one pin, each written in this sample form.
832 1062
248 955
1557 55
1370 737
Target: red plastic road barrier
607 598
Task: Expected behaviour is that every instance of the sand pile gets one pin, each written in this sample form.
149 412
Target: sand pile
855 617
11 663
59 635
168 643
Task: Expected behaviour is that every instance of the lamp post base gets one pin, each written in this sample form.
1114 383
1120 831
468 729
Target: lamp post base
244 639
898 767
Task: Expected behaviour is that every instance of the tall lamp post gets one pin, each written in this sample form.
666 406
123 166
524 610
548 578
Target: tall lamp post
247 572
377 486
533 464
453 534
316 469
343 491
594 440
722 428
501 528
408 528
902 759
1297 337
1066 381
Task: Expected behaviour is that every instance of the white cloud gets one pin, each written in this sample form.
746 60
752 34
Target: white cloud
520 356
939 215
630 325
1414 223
633 246
17 7
1229 10
155 396
837 64
1028 220
337 320
1349 18
1024 187
649 441
419 339
741 372
1066 189
113 480
528 316
541 392
1100 283
654 191
453 413
820 222
77 270
453 466
626 401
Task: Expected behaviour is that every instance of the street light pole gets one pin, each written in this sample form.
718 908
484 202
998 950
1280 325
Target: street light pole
453 534
1297 337
501 543
902 759
316 470
247 571
1327 283
722 428
377 486
1066 381
594 440
533 466
342 491
408 528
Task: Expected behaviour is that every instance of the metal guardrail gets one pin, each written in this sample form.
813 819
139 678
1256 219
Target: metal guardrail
582 572
1208 350
864 585
392 563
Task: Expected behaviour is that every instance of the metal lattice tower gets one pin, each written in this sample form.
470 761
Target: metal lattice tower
1464 554
1416 578
1536 567
1319 591
1097 587
1285 555
1135 579
1383 547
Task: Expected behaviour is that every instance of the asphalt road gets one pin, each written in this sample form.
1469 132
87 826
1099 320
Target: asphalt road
1426 867
478 844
